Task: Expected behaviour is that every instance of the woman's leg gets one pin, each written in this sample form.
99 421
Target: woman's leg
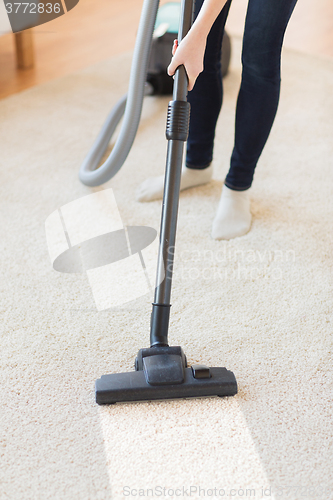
258 98
257 103
206 96
206 101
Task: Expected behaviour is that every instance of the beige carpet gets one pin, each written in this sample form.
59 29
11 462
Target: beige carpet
260 305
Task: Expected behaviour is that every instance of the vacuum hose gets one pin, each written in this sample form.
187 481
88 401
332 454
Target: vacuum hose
129 106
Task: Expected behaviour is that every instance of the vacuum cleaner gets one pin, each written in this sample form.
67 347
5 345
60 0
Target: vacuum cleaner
161 371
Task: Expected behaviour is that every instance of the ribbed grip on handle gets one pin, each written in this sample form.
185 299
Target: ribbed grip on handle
178 121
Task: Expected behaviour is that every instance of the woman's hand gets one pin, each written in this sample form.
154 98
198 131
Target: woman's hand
190 53
192 48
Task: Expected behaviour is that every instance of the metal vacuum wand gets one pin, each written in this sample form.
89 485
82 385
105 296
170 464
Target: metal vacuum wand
176 133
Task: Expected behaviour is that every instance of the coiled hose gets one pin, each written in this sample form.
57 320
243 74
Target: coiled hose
129 106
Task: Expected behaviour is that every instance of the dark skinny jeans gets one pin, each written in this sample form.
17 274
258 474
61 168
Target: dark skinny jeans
258 97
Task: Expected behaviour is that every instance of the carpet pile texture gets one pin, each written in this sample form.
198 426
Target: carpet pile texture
261 305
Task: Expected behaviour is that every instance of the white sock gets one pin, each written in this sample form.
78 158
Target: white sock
233 216
152 188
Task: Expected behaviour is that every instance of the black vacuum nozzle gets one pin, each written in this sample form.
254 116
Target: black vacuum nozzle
161 373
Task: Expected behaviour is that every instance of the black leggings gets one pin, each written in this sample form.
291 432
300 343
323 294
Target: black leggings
258 97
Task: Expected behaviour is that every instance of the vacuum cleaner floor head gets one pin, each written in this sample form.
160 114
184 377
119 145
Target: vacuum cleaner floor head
162 374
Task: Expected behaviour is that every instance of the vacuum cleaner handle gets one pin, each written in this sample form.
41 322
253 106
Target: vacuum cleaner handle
181 85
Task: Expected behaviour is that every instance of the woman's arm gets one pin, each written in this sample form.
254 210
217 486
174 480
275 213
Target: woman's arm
191 49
